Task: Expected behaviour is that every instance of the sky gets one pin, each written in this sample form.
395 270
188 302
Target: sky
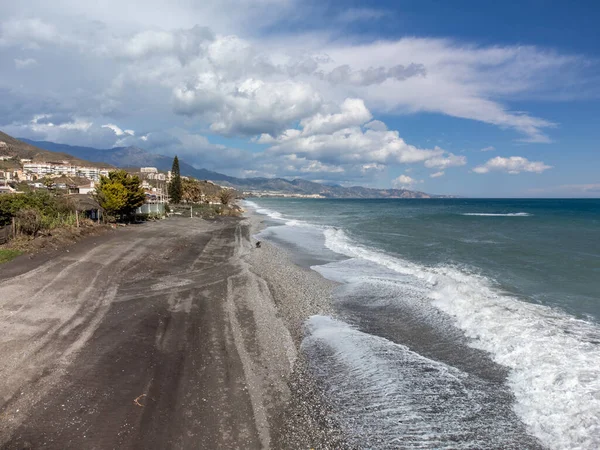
472 98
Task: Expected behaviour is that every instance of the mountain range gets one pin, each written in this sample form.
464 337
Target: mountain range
21 148
135 157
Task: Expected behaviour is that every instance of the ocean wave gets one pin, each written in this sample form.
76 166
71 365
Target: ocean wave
553 359
519 214
264 211
387 396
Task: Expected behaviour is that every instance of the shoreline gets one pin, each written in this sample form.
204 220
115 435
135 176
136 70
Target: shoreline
298 293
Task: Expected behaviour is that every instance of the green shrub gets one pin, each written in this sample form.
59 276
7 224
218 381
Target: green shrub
29 221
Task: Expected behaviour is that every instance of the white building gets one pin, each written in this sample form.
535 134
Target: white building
93 173
148 170
49 169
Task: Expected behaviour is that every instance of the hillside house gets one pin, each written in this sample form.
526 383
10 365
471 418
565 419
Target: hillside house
6 189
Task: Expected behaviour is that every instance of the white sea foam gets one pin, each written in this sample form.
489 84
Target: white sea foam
265 211
554 358
387 396
519 214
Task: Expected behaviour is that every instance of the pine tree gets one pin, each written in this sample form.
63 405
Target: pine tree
175 189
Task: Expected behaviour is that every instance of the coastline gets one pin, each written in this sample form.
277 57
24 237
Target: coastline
306 419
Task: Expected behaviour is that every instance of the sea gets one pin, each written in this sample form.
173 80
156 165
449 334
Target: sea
459 323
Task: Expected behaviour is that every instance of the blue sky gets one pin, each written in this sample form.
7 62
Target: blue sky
403 93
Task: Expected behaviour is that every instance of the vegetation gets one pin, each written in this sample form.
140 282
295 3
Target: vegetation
6 254
120 194
49 210
195 191
175 187
226 195
192 191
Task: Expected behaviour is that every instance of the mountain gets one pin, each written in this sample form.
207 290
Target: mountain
130 157
9 146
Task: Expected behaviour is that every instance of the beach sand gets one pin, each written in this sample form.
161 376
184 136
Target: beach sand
178 334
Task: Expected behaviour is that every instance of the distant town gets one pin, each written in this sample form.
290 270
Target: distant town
82 179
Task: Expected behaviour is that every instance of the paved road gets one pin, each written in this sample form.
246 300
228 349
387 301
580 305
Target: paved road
148 338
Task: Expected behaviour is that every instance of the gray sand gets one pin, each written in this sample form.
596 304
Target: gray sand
298 293
178 334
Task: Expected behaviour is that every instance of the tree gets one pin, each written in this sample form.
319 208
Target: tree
191 191
120 193
48 182
175 189
226 195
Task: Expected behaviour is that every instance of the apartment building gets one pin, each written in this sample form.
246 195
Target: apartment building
50 169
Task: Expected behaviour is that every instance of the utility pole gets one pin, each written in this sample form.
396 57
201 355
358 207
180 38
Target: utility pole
191 211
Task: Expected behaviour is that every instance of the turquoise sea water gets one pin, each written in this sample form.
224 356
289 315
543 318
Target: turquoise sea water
489 308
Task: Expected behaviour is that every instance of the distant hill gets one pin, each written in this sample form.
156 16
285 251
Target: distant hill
130 157
9 146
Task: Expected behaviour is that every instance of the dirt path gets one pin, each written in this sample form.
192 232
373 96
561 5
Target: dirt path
153 338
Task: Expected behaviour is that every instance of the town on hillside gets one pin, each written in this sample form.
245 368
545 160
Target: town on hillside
18 174
44 195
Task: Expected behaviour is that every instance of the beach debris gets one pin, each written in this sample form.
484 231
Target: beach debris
137 400
258 244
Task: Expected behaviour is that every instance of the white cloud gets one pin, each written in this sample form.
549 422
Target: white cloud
513 165
339 138
403 182
25 63
353 113
445 161
250 107
461 80
437 174
372 75
352 145
488 149
118 130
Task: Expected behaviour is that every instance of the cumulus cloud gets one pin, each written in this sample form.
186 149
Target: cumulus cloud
403 182
445 161
512 165
349 137
248 108
353 112
340 143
